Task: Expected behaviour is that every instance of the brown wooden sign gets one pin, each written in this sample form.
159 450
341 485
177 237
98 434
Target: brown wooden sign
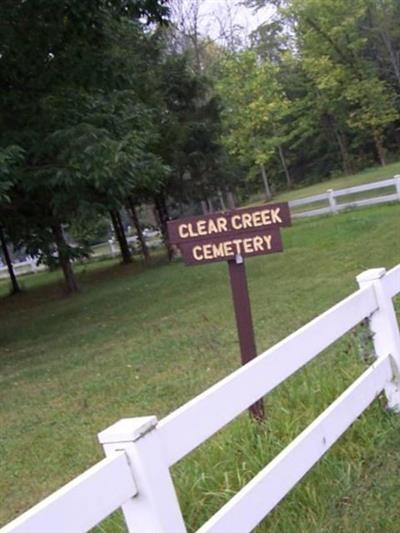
223 236
231 236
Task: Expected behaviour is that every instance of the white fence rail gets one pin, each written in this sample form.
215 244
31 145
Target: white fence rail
28 266
101 250
140 451
333 206
97 493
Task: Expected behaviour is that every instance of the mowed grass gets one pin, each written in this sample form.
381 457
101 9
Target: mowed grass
143 341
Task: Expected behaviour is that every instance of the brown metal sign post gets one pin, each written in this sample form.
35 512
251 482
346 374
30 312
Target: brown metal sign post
244 322
230 236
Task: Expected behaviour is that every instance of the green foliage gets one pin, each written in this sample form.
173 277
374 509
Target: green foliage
255 109
334 48
89 230
10 158
77 102
340 70
374 105
190 130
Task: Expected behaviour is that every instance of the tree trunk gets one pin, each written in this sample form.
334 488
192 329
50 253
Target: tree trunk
230 198
285 168
121 237
14 283
64 260
332 125
268 194
204 207
136 223
196 47
221 200
379 148
346 161
393 55
210 205
162 214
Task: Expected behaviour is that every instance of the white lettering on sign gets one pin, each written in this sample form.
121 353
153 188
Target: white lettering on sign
224 223
228 249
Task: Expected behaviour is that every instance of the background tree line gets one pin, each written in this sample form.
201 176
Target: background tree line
110 104
321 88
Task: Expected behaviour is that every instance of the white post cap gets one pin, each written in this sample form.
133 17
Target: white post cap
371 275
127 430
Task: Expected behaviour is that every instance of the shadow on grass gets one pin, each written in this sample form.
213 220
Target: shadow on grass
39 289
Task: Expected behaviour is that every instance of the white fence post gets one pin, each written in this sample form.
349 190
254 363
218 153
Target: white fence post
155 508
32 263
112 248
332 201
385 330
397 185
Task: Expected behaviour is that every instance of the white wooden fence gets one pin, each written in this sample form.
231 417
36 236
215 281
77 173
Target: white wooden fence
140 451
333 206
28 266
102 250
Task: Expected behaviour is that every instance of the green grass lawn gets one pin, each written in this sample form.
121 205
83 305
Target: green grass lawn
141 341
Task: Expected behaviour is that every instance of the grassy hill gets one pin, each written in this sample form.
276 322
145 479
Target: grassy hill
143 341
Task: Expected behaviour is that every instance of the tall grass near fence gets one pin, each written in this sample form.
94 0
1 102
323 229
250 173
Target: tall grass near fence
138 342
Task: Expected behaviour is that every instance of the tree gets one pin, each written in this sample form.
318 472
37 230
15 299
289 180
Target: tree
346 64
330 36
254 109
66 84
189 139
10 158
138 228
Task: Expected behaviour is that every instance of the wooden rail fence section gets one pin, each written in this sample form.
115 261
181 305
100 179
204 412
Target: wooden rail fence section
139 451
331 196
